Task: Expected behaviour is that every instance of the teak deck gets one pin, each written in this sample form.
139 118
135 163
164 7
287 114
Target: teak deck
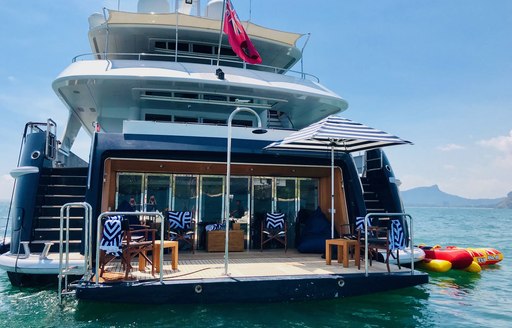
204 265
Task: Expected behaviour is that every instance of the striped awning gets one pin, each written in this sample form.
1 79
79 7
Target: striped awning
338 133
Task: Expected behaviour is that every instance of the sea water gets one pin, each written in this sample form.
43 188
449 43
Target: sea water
451 299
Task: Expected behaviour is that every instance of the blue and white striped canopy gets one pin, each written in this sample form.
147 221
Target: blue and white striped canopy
338 133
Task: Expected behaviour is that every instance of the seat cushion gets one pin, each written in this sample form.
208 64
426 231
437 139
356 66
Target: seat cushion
179 220
274 222
317 224
313 244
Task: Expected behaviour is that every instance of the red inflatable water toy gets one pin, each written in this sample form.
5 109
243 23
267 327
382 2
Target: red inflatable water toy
458 257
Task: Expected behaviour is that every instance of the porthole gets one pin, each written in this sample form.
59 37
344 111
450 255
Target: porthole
341 282
198 289
35 154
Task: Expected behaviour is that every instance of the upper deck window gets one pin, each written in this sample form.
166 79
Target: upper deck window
158 117
191 47
183 119
202 49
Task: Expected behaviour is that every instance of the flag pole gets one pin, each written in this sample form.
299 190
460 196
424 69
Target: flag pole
221 31
176 37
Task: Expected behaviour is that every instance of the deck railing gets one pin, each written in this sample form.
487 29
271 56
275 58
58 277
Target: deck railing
205 60
98 237
392 216
64 267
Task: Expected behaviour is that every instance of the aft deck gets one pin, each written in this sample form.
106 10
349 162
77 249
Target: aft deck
253 276
252 263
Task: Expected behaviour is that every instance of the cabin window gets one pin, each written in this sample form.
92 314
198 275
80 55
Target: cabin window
183 119
214 97
187 95
241 123
202 49
160 45
224 51
158 118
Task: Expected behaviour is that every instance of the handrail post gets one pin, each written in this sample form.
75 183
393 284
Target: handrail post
64 272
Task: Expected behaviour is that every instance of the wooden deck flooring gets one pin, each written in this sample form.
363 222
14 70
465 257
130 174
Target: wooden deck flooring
203 265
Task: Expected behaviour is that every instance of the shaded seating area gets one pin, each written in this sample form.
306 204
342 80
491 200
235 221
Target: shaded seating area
273 227
121 240
181 226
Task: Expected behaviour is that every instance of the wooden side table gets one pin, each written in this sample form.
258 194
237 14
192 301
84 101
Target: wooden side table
343 248
173 245
216 241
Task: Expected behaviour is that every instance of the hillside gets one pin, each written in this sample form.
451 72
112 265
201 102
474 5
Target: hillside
432 196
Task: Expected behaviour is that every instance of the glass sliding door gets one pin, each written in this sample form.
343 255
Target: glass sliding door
262 203
212 192
157 192
211 205
240 205
130 192
185 193
308 194
286 202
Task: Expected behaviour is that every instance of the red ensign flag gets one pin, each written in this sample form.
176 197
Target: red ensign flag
238 38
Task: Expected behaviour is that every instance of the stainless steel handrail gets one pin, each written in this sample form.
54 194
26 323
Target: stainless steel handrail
212 61
381 215
64 272
51 136
98 238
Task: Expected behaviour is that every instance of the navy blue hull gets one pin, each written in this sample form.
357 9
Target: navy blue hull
253 289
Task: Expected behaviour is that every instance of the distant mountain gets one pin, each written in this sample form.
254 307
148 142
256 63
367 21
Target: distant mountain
507 202
432 196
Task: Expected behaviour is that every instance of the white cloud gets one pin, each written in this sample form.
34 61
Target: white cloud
450 147
500 143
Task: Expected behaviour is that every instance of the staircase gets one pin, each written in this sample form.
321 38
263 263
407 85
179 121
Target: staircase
371 198
273 121
58 186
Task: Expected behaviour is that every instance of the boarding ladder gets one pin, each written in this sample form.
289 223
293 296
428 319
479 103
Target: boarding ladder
65 269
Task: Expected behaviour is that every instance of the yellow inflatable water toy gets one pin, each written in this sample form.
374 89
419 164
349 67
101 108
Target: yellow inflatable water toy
435 265
473 267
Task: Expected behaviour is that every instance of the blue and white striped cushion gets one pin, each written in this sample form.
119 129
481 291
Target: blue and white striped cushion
112 235
396 235
214 226
274 221
180 220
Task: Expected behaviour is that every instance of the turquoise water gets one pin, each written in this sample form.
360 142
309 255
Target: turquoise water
451 299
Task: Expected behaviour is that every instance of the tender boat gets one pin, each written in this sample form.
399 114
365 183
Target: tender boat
171 110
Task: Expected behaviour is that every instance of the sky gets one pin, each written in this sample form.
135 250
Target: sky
435 72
